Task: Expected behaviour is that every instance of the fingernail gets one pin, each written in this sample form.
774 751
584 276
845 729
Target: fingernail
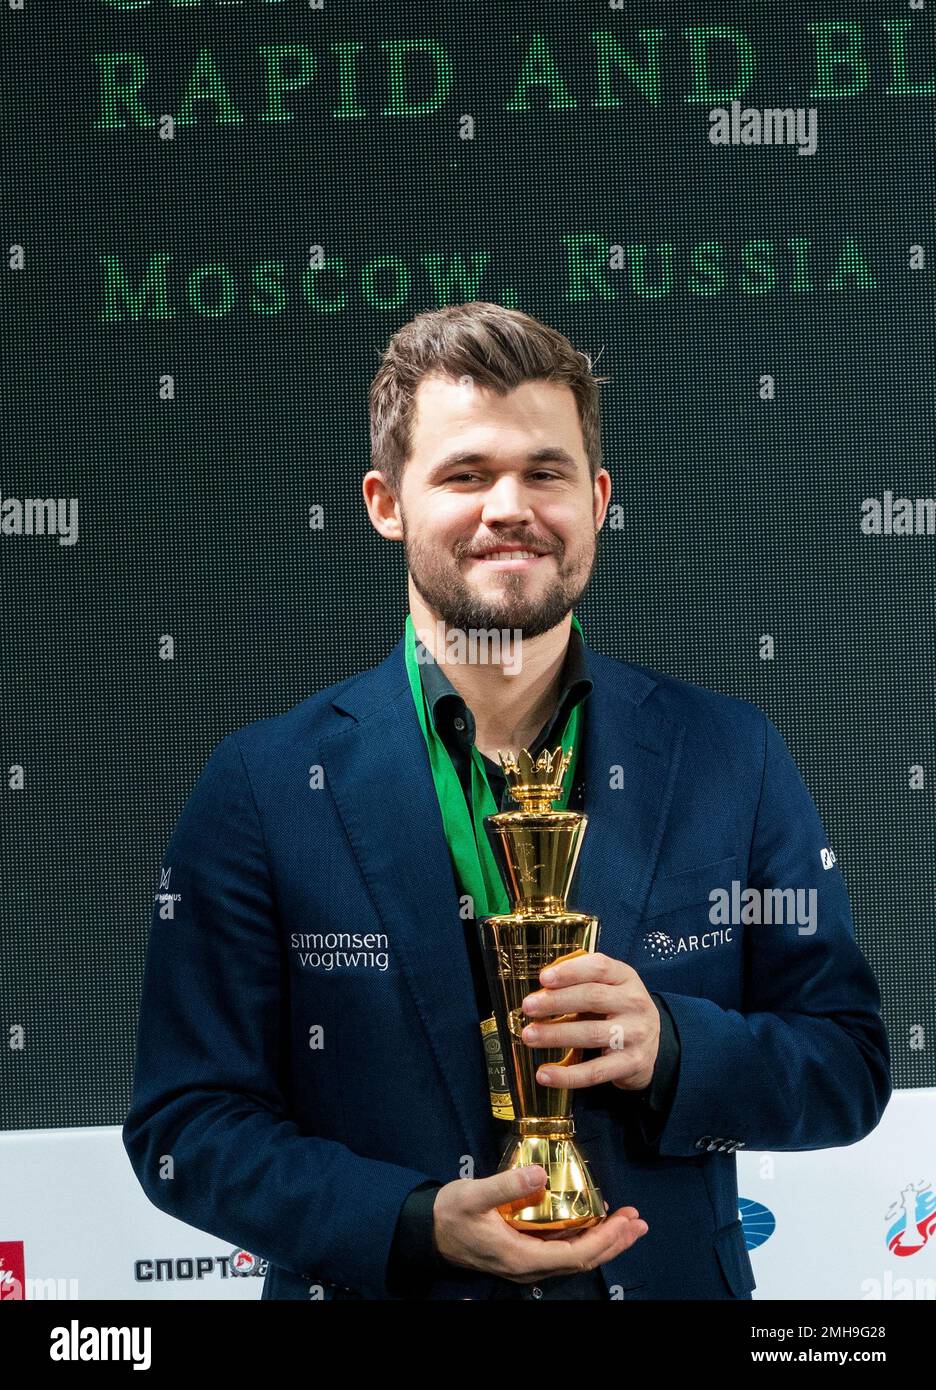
548 976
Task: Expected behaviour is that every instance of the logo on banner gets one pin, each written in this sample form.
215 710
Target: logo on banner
240 1264
911 1218
12 1270
757 1221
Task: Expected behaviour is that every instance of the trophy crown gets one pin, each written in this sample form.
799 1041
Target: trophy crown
535 785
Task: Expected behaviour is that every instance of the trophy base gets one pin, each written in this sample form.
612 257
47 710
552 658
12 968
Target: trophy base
570 1200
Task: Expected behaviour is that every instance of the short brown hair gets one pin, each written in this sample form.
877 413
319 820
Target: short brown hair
498 348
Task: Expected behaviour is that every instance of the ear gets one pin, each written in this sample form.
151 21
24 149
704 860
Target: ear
602 495
382 507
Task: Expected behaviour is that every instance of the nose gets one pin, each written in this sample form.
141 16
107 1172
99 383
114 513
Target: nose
505 503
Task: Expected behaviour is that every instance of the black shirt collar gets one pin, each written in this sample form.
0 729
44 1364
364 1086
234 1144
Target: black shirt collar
448 707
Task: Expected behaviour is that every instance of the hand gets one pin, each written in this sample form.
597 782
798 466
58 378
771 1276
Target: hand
470 1231
615 1013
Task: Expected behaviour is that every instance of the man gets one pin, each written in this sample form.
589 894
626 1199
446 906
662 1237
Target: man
310 1077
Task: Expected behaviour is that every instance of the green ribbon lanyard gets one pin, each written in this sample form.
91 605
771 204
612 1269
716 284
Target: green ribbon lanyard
467 839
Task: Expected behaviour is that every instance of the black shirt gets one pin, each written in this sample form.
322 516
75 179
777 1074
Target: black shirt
414 1261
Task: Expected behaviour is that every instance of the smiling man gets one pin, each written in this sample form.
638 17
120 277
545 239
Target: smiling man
340 1114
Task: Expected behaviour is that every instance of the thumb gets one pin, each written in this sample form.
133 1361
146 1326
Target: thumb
516 1185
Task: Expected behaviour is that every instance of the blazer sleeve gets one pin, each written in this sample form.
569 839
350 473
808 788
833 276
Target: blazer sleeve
806 1063
208 1132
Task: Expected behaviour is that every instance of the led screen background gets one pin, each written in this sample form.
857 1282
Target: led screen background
194 310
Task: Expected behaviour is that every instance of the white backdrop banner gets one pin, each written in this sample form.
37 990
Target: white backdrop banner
848 1223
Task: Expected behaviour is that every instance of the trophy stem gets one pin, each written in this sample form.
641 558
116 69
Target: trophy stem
516 948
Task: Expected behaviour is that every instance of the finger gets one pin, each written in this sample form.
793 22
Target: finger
571 1236
516 1185
583 1250
618 1233
594 1072
587 997
581 1033
580 1244
594 965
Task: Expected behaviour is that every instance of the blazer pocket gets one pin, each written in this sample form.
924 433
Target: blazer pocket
690 886
731 1249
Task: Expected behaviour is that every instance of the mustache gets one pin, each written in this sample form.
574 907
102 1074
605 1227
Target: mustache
507 543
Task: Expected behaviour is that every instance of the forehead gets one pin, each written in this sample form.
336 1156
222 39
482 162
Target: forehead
542 410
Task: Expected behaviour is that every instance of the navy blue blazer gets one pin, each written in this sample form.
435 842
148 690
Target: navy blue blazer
308 1049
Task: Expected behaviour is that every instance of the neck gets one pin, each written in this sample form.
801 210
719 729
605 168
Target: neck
511 692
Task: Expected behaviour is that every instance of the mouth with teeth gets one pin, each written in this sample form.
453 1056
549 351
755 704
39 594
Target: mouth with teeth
510 559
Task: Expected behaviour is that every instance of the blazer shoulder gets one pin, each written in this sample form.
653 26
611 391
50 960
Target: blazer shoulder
686 702
361 694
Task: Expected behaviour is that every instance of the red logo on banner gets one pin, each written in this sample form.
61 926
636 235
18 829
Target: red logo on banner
12 1269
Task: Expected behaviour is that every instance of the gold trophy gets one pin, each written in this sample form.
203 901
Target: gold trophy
536 849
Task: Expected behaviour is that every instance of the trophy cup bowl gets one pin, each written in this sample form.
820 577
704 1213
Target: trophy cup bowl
536 849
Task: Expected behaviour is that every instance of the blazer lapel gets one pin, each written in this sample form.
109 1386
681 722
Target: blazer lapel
632 755
379 774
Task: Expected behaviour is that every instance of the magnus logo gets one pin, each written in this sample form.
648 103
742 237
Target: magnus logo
40 516
76 1343
164 896
772 126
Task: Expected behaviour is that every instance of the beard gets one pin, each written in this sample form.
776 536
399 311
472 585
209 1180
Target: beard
440 581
